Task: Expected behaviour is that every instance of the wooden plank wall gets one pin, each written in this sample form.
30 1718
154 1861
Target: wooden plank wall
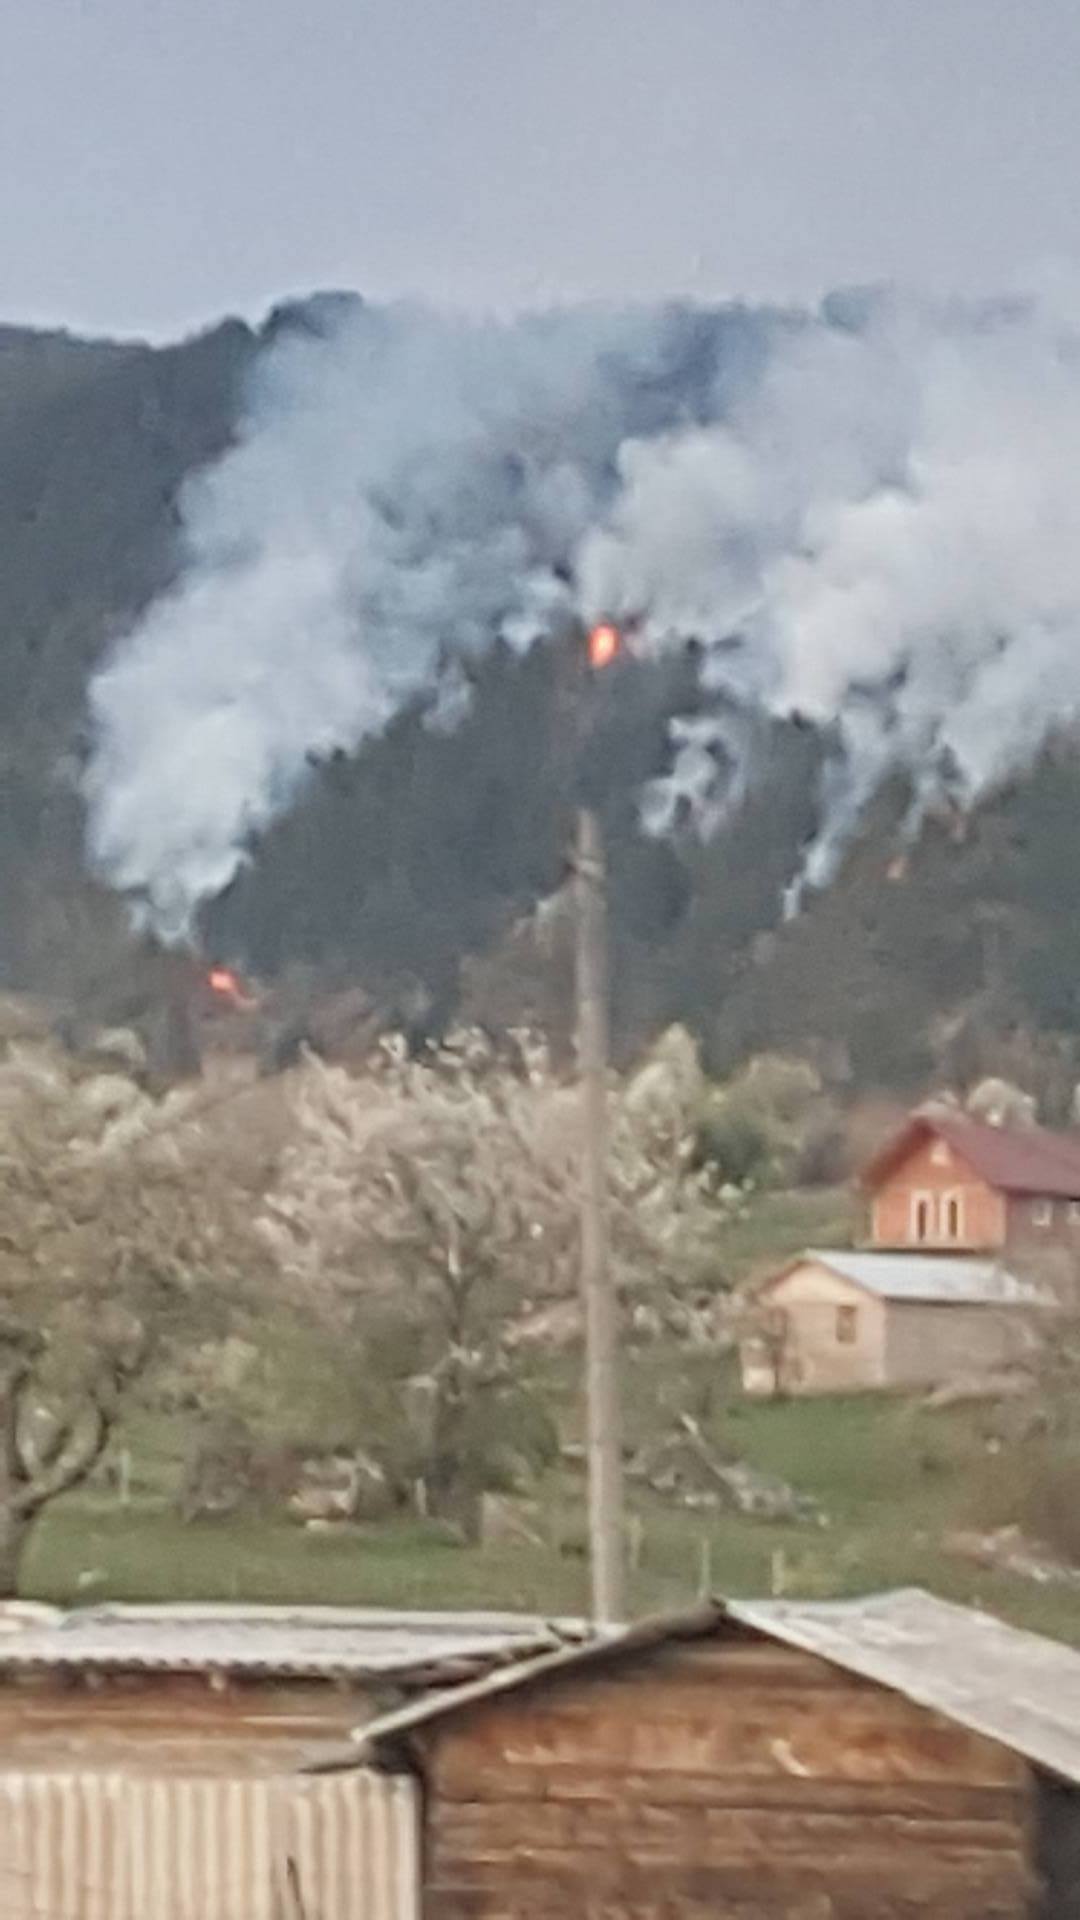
174 1723
724 1779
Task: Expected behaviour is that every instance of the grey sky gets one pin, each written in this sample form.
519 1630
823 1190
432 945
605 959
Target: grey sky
164 160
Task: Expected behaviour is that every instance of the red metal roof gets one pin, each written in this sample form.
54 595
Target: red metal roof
1010 1159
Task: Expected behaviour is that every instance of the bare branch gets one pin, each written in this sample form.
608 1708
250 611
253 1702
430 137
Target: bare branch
83 1444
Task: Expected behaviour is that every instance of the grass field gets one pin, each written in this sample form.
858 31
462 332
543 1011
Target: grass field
893 1478
773 1226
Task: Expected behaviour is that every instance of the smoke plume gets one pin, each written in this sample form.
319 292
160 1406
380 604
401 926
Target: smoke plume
885 535
401 484
869 516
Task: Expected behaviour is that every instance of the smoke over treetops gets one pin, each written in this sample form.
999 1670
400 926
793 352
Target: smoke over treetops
868 515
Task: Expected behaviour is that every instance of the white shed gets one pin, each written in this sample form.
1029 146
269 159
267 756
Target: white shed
836 1322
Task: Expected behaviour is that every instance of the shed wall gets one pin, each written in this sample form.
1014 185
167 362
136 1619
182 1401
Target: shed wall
926 1343
1057 1844
107 1846
815 1359
733 1778
1034 1226
172 1723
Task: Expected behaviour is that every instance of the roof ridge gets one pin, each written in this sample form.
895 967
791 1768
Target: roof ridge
313 1614
906 1640
1033 1160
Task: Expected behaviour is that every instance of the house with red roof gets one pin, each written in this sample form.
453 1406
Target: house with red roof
948 1183
947 1282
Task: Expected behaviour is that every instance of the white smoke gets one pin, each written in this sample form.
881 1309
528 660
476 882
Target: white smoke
405 482
878 528
891 525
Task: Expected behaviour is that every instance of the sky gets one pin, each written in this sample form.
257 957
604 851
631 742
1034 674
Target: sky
163 162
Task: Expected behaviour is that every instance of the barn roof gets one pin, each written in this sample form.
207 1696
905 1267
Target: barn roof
414 1649
1016 1688
1028 1160
945 1280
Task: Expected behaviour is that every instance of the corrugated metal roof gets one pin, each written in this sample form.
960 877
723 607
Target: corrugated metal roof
604 1643
1013 1687
359 1643
1011 1159
948 1279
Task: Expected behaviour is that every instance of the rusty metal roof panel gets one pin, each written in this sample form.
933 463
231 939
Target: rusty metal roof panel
288 1641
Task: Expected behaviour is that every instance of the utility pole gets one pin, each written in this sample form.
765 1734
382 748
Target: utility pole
603 1425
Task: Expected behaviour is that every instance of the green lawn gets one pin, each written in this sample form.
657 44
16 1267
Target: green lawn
773 1226
893 1478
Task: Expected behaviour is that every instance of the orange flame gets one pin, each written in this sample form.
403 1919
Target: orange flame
227 985
605 642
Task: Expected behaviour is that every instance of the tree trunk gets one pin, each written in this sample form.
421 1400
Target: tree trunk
449 1473
14 1532
14 1523
25 1486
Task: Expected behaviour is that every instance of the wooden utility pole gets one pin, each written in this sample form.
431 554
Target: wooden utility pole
603 1426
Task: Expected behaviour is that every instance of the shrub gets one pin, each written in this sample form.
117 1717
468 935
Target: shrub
736 1143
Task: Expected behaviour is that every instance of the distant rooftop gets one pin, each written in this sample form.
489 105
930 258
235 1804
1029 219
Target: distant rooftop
945 1279
1027 1160
412 1649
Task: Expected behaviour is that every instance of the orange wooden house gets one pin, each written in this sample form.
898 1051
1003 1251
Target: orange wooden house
946 1183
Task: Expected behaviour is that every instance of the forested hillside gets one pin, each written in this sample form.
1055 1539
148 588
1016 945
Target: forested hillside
95 440
412 867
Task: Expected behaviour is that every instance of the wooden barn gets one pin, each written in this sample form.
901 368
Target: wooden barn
153 1760
881 1759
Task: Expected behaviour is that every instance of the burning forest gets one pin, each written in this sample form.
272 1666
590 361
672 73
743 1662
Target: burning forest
873 531
831 555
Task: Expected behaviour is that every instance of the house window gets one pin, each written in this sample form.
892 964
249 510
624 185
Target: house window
921 1216
1074 1213
940 1155
1042 1213
953 1221
847 1325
